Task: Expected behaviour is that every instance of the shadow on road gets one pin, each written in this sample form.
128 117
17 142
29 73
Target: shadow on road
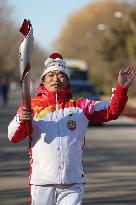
120 125
123 200
110 168
14 193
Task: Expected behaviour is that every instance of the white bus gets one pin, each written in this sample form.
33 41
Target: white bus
78 69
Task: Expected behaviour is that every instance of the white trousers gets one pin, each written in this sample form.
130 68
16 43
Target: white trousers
57 194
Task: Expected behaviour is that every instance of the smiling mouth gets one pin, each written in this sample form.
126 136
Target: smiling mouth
56 84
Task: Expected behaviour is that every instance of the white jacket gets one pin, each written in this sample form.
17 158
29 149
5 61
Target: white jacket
57 133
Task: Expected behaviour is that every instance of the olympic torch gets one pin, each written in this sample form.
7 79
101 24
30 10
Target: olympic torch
25 51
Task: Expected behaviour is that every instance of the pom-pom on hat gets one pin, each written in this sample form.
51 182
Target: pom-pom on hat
55 62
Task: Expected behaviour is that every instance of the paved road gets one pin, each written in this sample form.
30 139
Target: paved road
109 161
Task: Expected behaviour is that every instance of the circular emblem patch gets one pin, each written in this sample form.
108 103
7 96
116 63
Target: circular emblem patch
71 125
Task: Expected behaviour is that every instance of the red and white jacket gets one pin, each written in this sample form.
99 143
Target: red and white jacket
58 130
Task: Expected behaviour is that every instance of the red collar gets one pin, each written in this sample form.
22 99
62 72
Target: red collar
54 96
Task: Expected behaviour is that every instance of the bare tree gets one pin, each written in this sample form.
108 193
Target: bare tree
10 40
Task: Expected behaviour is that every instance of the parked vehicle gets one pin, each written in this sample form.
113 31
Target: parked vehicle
84 89
78 69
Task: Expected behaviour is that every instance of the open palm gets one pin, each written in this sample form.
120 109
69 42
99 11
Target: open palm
126 76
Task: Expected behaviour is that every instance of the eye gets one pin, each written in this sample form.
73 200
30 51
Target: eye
51 75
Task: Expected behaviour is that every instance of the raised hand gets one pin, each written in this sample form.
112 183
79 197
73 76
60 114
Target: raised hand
126 76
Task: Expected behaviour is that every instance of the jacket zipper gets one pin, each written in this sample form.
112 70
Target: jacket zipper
59 142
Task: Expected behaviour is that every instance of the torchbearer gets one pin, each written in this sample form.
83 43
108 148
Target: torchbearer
25 51
59 125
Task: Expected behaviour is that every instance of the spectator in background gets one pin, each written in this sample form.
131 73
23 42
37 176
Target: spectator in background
4 89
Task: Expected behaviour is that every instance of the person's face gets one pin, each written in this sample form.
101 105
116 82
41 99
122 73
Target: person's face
55 80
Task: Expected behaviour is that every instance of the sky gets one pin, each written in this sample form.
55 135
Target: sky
47 17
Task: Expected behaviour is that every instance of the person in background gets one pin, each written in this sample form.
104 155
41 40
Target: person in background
57 129
4 89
